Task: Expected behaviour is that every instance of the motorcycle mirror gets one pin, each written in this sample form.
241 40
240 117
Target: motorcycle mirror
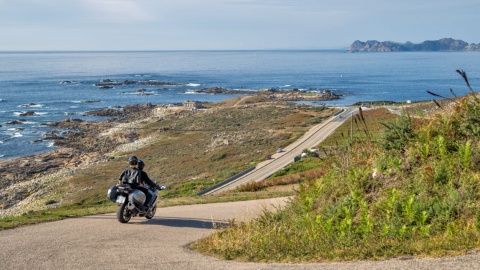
163 187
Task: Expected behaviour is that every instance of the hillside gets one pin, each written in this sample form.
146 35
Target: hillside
444 44
410 190
183 149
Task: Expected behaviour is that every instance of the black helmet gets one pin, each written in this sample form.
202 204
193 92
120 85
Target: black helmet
133 160
140 164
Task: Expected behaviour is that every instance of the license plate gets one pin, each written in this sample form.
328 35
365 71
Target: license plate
120 199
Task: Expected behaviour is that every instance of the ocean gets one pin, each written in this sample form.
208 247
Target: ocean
59 85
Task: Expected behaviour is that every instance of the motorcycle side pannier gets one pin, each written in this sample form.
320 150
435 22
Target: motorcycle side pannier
137 197
112 193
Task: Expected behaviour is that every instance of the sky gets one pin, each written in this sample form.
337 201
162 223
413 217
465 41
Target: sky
112 25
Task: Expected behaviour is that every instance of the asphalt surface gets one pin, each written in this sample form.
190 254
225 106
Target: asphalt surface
280 160
101 242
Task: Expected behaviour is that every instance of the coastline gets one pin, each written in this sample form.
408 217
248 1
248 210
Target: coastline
26 178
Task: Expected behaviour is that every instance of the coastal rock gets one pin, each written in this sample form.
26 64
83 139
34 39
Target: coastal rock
283 95
90 101
22 177
14 122
28 113
64 122
105 112
215 90
159 83
29 105
109 84
72 120
444 44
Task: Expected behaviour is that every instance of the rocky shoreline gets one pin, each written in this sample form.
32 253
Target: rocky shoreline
81 144
280 95
109 84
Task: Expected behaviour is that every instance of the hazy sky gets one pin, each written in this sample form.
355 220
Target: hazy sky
229 24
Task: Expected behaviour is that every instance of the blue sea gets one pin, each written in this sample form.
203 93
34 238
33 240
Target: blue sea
59 85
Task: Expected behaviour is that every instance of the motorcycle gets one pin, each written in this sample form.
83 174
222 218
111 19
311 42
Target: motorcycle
131 202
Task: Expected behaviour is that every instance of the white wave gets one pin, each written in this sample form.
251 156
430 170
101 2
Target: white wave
2 156
1 99
1 142
190 92
17 135
35 113
51 144
141 75
286 85
193 84
85 101
29 123
31 105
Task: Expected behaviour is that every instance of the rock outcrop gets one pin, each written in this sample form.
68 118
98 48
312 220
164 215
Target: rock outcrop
444 44
284 95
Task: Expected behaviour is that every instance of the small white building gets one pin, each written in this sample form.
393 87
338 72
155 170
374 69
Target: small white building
192 104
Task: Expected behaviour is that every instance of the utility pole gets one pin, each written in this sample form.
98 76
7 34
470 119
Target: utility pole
351 127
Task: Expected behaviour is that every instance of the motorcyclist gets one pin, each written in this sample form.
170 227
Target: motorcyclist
145 180
137 178
129 172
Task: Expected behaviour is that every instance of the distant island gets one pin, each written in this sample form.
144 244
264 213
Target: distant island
441 45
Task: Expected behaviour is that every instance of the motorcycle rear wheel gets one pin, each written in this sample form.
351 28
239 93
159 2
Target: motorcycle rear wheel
123 214
151 214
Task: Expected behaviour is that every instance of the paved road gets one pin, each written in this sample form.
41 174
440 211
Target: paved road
280 160
100 242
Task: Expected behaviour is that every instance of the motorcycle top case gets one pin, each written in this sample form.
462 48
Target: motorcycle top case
137 197
112 193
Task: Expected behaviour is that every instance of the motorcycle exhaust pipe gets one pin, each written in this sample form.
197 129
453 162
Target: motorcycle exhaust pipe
133 208
130 206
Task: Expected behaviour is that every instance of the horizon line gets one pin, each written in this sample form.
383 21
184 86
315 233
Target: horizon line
180 50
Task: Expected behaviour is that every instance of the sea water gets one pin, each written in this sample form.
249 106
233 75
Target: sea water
59 85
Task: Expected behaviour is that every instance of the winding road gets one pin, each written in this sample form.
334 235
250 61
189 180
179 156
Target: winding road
280 160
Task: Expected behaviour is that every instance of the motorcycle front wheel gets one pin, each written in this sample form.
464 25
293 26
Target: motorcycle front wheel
123 214
151 214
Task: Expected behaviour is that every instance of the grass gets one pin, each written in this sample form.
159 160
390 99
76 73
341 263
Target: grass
415 196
